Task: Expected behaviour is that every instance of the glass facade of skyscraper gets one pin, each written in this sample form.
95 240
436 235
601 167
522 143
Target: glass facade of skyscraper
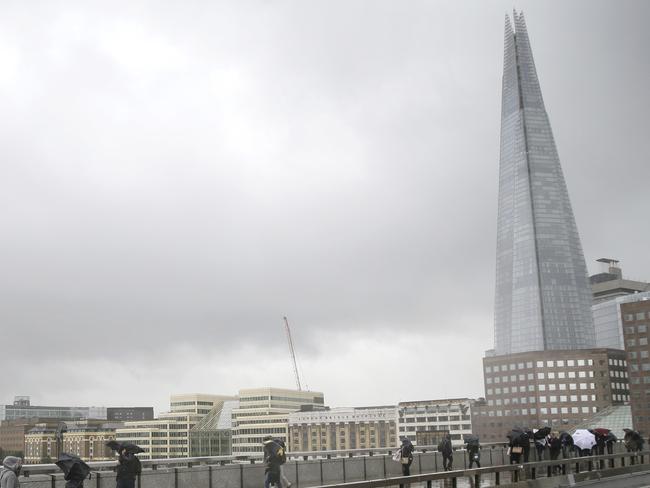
543 297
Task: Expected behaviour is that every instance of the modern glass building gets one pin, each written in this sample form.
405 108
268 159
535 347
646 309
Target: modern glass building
543 296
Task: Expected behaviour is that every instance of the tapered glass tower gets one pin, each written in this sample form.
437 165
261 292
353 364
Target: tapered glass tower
543 299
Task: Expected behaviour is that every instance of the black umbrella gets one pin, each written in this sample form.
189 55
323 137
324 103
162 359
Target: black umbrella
470 439
610 437
74 469
541 433
120 446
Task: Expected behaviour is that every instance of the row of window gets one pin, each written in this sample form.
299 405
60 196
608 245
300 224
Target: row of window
643 341
542 411
631 329
413 428
560 363
629 317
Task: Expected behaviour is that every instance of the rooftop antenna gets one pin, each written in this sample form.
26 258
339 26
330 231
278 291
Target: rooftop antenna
293 353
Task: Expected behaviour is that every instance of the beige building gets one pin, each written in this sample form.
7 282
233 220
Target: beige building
265 411
86 439
426 422
343 428
168 435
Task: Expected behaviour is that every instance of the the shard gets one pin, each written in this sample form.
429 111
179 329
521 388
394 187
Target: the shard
543 299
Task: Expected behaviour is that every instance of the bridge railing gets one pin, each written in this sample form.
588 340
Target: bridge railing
494 454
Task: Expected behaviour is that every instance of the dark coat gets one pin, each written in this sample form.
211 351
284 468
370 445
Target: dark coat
128 467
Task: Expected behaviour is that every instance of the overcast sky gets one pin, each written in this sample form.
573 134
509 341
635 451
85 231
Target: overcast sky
177 176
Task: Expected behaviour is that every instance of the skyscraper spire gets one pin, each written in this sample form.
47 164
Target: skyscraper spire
542 297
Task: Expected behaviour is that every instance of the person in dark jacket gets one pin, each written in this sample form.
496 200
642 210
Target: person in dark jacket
128 469
554 449
273 453
474 454
406 456
567 445
11 466
447 451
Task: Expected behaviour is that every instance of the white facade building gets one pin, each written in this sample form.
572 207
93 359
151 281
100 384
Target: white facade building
425 422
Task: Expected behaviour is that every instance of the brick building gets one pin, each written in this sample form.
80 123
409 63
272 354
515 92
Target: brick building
559 388
636 322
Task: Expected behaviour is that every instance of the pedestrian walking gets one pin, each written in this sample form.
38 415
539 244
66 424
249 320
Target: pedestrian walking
285 481
274 457
447 451
473 450
632 440
128 469
406 456
11 466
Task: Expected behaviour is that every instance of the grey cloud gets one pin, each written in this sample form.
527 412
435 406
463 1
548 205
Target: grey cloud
187 175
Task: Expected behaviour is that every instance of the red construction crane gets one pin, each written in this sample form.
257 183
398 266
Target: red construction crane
293 353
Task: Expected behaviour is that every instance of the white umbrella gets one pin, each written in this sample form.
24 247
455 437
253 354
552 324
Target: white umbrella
584 439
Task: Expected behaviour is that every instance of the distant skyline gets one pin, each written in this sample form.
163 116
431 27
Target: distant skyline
178 177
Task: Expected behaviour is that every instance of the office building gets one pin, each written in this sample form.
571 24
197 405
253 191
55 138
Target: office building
265 411
556 388
543 298
168 436
636 322
342 428
427 422
22 408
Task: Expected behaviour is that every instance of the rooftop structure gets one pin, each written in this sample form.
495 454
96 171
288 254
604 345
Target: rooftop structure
610 284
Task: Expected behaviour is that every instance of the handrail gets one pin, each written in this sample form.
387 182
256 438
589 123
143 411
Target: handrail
519 471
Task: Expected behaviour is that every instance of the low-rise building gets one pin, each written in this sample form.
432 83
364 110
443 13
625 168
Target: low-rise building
342 428
426 422
86 439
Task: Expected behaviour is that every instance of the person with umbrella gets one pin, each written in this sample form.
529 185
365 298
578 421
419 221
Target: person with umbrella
584 441
11 466
473 450
517 440
601 435
632 440
128 464
74 469
540 437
